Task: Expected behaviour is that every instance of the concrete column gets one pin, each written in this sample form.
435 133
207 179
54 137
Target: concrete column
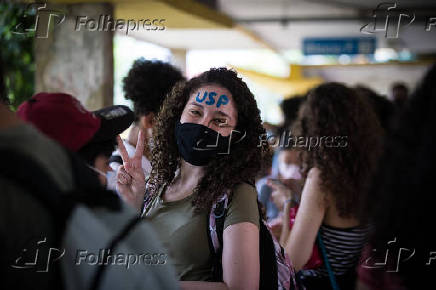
179 59
77 60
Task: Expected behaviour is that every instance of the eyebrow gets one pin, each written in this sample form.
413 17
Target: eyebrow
196 104
216 112
223 114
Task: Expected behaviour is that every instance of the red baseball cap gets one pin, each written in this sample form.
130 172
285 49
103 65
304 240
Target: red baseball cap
63 118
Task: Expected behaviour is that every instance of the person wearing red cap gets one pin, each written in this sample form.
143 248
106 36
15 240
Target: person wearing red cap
91 134
40 181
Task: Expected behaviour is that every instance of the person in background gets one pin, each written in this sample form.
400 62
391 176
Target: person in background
146 84
288 178
337 173
399 94
290 107
283 156
401 242
91 134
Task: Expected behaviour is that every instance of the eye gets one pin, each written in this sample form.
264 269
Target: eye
221 122
195 112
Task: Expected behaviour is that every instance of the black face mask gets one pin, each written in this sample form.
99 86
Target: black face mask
199 144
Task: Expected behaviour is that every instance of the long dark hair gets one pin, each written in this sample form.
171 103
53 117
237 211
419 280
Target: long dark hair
334 110
222 174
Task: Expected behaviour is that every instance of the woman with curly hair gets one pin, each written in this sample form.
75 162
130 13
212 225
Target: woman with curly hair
206 144
338 170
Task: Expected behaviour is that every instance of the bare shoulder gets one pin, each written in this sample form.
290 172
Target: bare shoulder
312 189
313 181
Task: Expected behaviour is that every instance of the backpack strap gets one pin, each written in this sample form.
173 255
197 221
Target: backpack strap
215 231
218 215
332 277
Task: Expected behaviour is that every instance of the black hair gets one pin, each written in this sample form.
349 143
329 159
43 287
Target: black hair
384 108
147 84
90 151
400 86
290 107
400 94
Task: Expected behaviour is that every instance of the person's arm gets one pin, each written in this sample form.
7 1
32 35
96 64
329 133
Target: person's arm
283 197
240 260
307 222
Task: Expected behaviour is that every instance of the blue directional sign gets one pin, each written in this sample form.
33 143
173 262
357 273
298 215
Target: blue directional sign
337 46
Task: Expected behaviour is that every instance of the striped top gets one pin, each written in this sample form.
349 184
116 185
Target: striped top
343 247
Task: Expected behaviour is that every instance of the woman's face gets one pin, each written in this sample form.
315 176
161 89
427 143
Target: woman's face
288 164
212 106
288 157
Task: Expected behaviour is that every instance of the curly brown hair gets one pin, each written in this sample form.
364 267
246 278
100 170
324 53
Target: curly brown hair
246 158
332 109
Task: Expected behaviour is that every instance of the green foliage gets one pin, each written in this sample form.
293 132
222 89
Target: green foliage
17 52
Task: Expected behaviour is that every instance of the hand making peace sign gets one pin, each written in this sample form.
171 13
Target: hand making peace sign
130 175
